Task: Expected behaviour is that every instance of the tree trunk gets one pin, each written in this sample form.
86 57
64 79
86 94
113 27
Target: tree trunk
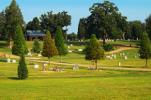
10 42
104 40
49 60
60 60
146 63
96 66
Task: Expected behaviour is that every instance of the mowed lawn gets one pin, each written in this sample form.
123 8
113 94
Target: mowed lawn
74 85
77 85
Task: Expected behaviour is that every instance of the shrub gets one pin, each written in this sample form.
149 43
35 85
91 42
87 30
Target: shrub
108 47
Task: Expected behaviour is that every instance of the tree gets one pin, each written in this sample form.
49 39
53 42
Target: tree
148 26
22 68
2 26
145 47
19 46
34 24
136 29
60 43
93 50
36 46
49 48
102 19
116 33
51 21
82 28
72 36
13 17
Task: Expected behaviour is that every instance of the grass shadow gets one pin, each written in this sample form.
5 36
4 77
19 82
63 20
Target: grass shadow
13 78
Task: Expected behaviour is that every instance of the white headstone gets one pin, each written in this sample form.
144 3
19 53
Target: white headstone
39 55
70 51
125 58
75 67
36 66
119 64
80 50
8 60
13 61
29 54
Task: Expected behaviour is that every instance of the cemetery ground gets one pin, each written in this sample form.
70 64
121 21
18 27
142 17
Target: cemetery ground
81 84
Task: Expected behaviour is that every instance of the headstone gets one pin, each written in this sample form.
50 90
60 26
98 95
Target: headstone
125 57
114 56
119 64
80 50
13 61
75 67
29 54
36 66
70 51
108 57
39 55
71 45
44 67
8 60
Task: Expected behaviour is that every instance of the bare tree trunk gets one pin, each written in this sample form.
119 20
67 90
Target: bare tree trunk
104 40
49 60
96 66
10 42
146 63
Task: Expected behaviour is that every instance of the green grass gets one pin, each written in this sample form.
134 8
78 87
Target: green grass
73 85
76 85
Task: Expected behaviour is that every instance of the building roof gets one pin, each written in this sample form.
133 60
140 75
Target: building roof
35 33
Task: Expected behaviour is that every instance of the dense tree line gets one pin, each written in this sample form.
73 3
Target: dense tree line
50 21
106 22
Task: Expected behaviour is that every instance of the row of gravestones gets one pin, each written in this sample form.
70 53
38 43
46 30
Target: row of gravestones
75 67
122 55
11 61
30 54
70 51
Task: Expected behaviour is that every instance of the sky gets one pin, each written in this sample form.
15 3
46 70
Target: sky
133 9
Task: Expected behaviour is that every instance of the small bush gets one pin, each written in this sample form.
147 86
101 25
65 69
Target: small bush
108 47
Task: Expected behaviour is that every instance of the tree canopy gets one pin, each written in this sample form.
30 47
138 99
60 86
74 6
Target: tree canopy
60 42
19 45
145 47
93 50
49 48
13 17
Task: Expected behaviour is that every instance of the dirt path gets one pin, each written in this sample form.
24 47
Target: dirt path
5 55
119 50
103 68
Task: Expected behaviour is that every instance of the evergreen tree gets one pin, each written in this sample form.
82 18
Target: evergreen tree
60 43
22 68
148 26
93 50
13 17
145 47
19 46
49 48
36 46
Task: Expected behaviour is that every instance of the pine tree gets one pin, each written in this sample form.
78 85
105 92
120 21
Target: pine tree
22 68
49 48
13 17
93 50
145 47
36 46
60 43
19 46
